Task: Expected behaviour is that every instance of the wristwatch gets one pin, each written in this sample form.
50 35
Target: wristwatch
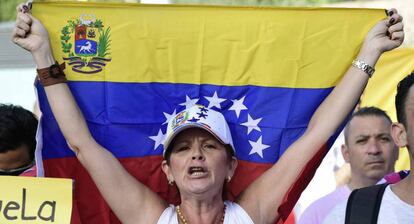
52 75
361 65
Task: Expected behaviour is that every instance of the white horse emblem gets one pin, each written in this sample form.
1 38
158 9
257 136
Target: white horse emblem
86 48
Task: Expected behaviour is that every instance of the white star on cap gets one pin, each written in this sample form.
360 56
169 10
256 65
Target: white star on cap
258 147
189 102
251 124
214 101
159 138
238 106
169 116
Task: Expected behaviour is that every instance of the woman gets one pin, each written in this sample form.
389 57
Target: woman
199 157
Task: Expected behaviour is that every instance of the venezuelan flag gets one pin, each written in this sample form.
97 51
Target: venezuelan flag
131 67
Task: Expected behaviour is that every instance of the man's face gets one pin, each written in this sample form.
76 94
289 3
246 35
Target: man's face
370 151
15 159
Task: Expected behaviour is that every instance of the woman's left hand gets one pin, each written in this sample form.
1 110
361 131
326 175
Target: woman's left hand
385 35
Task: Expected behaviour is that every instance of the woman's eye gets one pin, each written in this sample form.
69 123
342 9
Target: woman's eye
210 146
182 148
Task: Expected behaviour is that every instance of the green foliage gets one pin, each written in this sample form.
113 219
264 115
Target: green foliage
98 24
258 2
104 43
72 24
65 30
65 37
8 9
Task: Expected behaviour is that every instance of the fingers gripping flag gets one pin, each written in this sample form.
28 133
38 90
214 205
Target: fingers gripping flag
132 67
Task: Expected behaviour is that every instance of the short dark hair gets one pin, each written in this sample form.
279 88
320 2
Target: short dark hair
402 92
17 128
363 112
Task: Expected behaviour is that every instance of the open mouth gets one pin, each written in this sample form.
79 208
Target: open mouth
196 171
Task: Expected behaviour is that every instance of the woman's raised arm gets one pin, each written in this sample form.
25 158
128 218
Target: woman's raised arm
131 201
264 196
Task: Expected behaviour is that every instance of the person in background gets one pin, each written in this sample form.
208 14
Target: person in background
396 202
17 141
371 153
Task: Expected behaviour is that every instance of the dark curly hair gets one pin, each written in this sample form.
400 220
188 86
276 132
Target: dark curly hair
401 98
17 128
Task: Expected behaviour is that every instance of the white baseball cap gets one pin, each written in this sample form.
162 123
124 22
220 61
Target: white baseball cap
199 116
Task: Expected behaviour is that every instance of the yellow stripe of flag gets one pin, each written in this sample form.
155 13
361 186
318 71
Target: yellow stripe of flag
276 47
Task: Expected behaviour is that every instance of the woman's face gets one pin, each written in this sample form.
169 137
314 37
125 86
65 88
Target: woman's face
198 163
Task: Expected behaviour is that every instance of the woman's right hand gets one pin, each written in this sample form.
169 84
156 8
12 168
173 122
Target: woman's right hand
29 33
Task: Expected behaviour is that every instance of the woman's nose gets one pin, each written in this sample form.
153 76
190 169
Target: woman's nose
197 154
199 157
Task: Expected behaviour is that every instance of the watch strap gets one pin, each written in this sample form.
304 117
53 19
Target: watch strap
52 75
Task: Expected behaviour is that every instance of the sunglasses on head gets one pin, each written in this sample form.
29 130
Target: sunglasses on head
16 171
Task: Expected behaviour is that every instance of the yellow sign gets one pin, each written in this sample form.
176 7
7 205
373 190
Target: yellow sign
35 200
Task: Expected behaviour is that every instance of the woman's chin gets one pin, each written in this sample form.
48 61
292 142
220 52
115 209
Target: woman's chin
199 186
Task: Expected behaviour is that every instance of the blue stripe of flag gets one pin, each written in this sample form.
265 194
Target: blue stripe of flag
123 116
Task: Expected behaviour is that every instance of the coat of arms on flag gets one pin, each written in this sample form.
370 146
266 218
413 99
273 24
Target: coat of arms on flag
86 43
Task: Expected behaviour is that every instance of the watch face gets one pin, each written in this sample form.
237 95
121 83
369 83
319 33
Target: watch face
55 71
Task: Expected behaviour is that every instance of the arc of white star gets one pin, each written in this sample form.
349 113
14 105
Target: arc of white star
159 139
169 116
189 102
252 124
258 147
214 101
238 106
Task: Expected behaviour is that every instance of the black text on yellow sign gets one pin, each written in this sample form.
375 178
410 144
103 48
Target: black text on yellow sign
35 200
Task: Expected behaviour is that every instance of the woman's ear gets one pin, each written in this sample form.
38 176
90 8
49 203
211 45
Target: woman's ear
399 134
232 167
166 169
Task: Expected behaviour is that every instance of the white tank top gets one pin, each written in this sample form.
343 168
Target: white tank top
234 215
